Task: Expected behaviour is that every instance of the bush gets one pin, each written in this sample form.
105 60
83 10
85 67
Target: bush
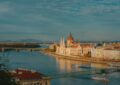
5 76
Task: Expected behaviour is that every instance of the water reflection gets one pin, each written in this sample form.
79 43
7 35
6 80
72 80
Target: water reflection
54 65
71 65
65 65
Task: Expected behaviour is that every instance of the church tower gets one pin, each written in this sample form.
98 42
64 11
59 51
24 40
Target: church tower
62 42
70 40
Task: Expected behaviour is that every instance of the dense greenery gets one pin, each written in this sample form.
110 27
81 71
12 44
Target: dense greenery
5 76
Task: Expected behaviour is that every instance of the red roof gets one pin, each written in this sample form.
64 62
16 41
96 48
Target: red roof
26 74
75 45
86 45
70 37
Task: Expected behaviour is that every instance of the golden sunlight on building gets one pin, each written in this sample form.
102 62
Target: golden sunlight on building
69 48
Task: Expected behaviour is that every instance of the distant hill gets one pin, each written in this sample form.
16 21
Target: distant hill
28 41
24 40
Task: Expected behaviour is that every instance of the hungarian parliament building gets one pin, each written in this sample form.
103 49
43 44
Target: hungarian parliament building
69 47
72 48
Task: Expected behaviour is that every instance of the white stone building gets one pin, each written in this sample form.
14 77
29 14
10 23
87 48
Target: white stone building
69 48
105 54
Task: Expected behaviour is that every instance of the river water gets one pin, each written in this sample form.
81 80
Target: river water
51 65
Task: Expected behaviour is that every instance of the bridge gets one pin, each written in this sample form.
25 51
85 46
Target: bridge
33 46
19 49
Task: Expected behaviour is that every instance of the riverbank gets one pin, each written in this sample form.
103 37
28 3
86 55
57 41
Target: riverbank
18 45
82 58
51 65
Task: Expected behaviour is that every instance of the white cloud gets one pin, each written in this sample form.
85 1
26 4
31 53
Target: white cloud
6 7
85 7
58 16
100 9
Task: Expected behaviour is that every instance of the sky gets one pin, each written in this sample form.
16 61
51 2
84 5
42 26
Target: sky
50 19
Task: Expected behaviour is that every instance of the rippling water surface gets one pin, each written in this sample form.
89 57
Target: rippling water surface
51 65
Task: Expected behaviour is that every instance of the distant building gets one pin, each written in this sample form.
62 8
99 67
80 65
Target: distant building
69 48
86 48
27 77
105 53
72 48
52 47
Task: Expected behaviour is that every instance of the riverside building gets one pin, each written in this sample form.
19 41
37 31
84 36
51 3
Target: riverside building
112 54
27 77
72 48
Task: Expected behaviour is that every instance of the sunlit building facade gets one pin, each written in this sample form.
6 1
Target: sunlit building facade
105 53
69 48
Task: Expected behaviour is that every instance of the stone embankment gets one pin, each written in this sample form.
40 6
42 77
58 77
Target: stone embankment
82 58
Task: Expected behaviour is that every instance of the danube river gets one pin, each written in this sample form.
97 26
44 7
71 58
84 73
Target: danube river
51 65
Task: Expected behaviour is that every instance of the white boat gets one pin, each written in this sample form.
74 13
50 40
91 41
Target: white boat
99 78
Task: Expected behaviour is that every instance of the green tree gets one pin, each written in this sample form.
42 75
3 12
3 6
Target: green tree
5 76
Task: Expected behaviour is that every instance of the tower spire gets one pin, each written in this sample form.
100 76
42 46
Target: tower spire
60 42
63 42
70 40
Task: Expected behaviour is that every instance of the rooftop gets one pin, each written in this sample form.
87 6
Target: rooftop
24 74
70 37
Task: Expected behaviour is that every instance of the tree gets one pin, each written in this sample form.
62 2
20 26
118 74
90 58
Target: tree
5 76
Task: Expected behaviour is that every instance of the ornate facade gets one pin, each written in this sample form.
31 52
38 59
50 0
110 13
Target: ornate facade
105 53
69 48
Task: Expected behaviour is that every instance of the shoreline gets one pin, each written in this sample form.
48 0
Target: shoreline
82 58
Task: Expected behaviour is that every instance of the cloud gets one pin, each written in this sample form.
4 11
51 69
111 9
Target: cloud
6 7
100 9
86 7
55 17
39 18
